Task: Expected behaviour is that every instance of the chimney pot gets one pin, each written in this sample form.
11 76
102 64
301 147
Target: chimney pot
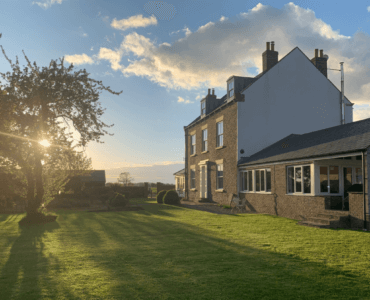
316 52
272 46
213 92
267 45
321 53
209 91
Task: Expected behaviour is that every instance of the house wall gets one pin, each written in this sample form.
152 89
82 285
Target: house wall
299 207
292 97
227 154
179 182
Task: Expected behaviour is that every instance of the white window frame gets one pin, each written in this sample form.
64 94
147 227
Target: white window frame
219 136
193 146
204 141
230 88
203 107
217 177
252 174
302 180
192 179
340 179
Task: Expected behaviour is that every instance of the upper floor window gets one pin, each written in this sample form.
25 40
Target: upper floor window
192 178
299 179
204 140
192 150
220 177
220 134
231 88
203 107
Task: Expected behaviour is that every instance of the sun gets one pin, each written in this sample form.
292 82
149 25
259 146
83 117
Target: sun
44 143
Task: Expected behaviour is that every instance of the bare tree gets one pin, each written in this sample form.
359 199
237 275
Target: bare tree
125 178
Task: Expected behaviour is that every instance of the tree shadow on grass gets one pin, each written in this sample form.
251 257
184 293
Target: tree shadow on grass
157 257
27 269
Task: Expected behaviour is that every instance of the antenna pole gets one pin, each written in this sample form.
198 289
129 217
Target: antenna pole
342 94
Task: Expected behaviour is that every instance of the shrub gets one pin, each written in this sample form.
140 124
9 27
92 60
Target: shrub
160 196
119 201
171 197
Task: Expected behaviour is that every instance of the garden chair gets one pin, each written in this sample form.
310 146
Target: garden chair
237 205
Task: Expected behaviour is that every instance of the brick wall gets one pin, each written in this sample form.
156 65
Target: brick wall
228 155
279 203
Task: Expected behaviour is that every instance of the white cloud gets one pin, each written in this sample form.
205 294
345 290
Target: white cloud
208 56
361 113
182 100
368 8
47 3
78 59
134 22
223 19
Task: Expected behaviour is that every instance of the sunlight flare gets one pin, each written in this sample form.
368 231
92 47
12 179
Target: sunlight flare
44 143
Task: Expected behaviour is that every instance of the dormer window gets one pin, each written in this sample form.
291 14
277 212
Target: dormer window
203 107
231 88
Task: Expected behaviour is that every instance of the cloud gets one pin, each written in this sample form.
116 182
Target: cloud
368 8
134 22
182 100
361 112
223 19
162 10
78 59
47 3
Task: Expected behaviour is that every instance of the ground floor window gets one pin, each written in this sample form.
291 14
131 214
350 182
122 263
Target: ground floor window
246 181
299 179
329 179
220 177
192 178
262 180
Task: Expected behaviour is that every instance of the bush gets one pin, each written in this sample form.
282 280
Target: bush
119 201
171 197
160 196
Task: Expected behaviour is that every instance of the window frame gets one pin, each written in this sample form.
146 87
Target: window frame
219 177
205 141
193 146
230 91
219 136
192 180
302 180
252 180
203 109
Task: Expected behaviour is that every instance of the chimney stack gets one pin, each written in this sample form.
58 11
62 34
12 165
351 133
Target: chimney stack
269 57
209 91
320 62
213 92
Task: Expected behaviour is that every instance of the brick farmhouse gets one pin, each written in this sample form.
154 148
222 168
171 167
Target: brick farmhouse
290 99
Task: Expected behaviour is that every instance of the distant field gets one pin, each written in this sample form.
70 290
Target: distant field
170 252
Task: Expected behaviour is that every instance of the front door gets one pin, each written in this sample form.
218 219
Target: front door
203 182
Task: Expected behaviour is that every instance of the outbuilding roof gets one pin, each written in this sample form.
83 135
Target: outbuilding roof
179 173
339 139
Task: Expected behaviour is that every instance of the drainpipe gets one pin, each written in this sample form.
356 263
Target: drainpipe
186 165
363 187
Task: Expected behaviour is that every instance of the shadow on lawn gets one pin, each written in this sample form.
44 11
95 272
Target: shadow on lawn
166 257
27 268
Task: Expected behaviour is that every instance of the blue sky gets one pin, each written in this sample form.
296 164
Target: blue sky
165 55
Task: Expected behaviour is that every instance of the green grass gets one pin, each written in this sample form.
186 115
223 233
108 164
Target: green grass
169 252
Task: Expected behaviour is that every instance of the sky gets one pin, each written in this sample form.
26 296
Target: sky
165 55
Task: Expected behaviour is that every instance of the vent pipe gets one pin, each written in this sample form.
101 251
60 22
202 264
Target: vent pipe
342 94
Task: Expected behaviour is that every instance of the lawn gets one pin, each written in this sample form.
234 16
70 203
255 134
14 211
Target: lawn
168 252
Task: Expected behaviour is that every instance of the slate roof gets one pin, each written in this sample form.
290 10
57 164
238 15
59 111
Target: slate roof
222 101
181 172
334 140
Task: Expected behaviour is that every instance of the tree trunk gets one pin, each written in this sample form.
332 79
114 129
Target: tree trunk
31 208
38 178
